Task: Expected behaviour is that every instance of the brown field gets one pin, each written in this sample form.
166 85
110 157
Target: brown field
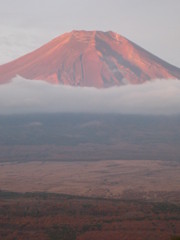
90 200
153 180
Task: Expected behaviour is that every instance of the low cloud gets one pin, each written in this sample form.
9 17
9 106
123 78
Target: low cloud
29 96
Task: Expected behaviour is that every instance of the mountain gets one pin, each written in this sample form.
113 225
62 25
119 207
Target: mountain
89 58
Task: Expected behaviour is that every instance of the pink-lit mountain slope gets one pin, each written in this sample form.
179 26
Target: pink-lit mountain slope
89 58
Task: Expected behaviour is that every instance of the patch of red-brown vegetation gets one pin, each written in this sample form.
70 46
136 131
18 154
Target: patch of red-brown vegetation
41 216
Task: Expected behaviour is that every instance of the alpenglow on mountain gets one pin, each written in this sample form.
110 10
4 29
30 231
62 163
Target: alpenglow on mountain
89 58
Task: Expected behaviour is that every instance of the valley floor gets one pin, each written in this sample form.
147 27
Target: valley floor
153 180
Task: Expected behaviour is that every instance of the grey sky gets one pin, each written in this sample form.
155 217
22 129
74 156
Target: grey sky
154 25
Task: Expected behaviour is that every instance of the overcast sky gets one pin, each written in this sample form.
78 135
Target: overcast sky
26 25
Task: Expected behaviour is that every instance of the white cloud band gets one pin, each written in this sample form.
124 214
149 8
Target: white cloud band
28 96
